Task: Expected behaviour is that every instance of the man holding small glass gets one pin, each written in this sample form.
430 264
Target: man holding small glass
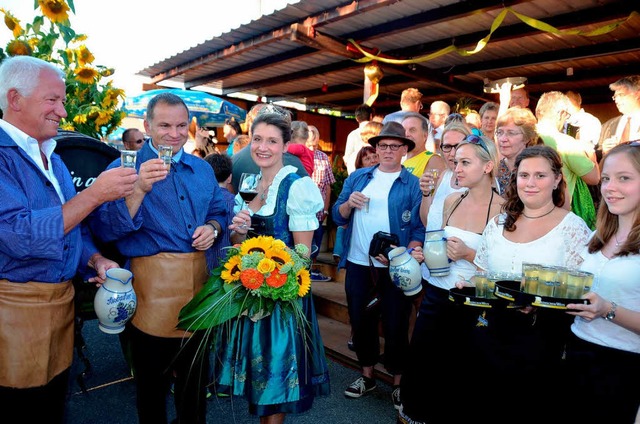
163 229
387 198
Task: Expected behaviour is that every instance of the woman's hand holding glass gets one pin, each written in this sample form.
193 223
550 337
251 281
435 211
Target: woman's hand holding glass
241 223
428 182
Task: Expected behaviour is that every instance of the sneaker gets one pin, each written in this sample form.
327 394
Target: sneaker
395 397
318 276
360 387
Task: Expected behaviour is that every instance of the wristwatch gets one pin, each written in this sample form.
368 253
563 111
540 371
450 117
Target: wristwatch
215 230
612 312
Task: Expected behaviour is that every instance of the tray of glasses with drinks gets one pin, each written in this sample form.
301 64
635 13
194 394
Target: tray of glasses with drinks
546 287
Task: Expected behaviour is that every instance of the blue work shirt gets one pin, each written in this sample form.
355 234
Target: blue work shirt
405 195
169 213
33 246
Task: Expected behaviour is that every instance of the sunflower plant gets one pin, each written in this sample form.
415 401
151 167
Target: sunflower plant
92 104
254 277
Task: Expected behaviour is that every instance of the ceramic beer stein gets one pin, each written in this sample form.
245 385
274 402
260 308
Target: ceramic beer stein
405 271
115 301
435 253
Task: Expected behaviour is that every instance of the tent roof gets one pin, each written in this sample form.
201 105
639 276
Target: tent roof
292 53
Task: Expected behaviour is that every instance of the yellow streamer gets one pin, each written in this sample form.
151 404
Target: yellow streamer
534 23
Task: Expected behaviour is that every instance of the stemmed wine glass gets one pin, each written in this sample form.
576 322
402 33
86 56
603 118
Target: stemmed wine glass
248 188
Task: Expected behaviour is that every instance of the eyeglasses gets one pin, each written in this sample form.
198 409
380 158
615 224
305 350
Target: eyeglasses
478 141
447 147
393 147
508 133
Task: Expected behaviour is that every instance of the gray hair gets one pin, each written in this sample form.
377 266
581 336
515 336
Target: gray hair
22 74
421 118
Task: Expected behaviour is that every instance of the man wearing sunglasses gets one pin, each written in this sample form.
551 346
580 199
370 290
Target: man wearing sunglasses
133 139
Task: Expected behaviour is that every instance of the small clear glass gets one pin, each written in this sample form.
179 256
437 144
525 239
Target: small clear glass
165 152
128 158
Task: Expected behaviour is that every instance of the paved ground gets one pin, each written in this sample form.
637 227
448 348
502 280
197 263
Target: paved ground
110 398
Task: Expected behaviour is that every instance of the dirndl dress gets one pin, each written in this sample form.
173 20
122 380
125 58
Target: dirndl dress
276 363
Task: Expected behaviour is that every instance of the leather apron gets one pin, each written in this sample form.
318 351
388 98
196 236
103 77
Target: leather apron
36 332
164 283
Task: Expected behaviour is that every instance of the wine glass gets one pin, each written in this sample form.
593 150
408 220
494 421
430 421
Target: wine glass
248 187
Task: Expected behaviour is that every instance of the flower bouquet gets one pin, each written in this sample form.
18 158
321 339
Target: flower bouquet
252 279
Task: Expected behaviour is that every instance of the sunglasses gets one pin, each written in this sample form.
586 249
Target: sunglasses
474 139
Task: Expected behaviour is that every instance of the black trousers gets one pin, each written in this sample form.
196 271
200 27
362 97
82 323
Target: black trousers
44 404
362 283
156 360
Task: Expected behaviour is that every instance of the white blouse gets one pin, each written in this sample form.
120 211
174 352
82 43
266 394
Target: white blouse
559 247
303 203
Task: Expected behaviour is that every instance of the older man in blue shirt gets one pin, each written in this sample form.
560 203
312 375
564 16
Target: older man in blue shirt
42 243
163 228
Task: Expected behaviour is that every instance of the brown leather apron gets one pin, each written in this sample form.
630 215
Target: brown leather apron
164 283
36 332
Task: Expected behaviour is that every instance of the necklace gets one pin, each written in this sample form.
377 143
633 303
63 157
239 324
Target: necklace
618 243
536 217
265 190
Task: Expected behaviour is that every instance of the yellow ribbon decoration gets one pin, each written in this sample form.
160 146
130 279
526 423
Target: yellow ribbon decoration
534 23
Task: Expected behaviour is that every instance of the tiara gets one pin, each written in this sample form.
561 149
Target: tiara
272 109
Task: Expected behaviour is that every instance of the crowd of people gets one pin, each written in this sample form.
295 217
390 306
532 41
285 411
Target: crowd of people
506 184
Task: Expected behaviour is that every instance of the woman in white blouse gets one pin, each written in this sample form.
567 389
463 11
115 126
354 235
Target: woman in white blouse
604 352
534 228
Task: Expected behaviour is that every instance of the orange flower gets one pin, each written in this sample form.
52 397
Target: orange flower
276 280
251 278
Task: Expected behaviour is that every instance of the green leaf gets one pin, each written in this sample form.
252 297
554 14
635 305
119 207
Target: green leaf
67 33
71 6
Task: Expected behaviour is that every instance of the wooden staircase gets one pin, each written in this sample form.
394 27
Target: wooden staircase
333 317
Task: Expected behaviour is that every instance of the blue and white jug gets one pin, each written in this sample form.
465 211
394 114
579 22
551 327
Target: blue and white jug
115 301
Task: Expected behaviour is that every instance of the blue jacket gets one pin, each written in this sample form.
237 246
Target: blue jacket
403 203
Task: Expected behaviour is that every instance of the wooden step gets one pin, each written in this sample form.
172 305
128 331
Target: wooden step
330 300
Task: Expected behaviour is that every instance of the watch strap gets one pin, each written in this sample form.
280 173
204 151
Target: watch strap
612 312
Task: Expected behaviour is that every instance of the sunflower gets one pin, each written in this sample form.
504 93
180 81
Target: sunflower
12 23
231 271
86 75
276 280
80 119
304 282
84 55
266 266
258 244
104 116
281 257
278 244
55 10
18 48
251 278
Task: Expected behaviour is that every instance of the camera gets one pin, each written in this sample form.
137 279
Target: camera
381 244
